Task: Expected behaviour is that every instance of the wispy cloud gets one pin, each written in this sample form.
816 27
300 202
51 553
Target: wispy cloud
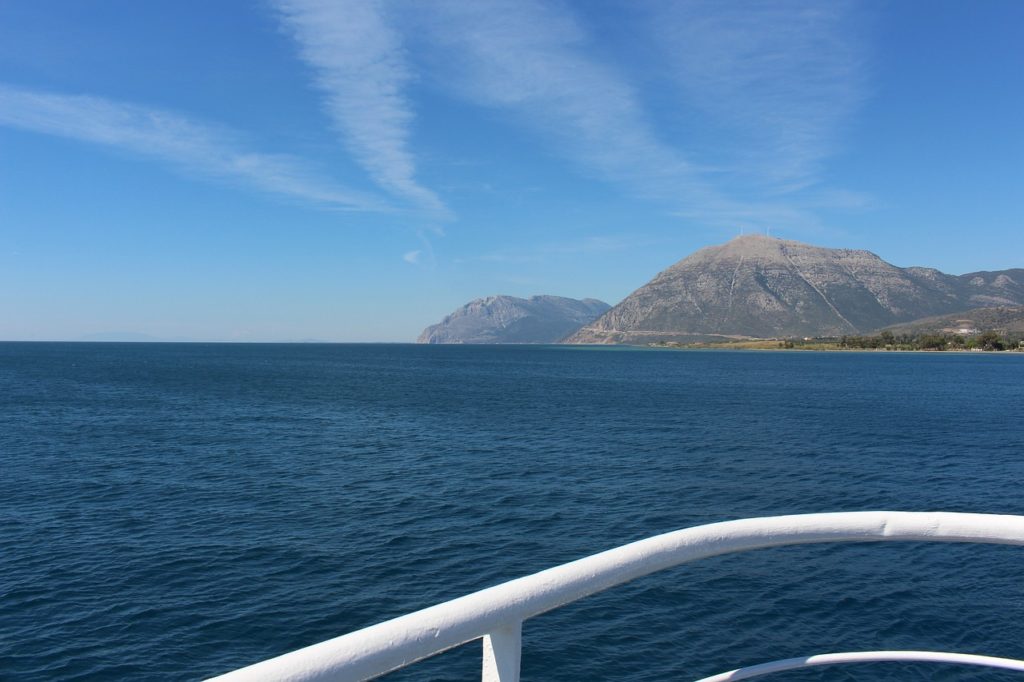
785 75
191 146
530 57
537 60
412 256
358 64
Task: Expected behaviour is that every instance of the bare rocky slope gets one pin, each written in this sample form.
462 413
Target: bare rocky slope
999 319
508 319
760 287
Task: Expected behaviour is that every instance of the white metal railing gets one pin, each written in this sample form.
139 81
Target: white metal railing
496 614
866 657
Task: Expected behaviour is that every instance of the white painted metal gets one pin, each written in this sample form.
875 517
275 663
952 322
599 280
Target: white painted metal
393 644
865 657
502 650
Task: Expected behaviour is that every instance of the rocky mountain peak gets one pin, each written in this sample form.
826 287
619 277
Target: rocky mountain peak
509 319
763 287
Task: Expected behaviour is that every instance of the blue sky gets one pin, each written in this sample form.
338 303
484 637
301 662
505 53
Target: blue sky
352 171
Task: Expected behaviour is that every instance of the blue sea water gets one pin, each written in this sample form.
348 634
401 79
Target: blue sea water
173 511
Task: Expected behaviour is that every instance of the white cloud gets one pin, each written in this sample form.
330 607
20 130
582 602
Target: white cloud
536 60
194 147
529 57
412 256
786 76
358 64
783 76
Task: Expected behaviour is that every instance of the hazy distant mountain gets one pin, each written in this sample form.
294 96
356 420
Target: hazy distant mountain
132 337
507 319
120 337
761 287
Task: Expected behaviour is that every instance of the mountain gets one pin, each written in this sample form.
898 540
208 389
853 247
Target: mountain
760 287
507 319
120 337
1000 319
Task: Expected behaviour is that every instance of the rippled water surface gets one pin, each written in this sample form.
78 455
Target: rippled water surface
172 511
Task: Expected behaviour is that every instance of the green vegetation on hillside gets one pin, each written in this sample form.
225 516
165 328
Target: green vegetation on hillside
886 340
987 341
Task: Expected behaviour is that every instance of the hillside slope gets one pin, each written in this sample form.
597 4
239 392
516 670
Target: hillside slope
1000 319
508 319
760 287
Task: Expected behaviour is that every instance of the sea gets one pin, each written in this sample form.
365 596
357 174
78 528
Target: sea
175 511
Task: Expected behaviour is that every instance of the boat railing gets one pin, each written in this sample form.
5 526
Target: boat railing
496 614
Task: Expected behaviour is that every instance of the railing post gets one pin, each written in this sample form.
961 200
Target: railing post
502 649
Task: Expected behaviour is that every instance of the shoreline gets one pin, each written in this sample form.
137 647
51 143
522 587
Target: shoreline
821 347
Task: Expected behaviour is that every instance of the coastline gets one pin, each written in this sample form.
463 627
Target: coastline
822 346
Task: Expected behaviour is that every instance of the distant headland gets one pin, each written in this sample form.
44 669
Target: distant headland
758 289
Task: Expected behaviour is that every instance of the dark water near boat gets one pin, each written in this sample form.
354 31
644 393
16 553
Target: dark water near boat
175 511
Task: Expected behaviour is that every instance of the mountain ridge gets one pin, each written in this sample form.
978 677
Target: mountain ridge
510 319
1000 319
762 287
